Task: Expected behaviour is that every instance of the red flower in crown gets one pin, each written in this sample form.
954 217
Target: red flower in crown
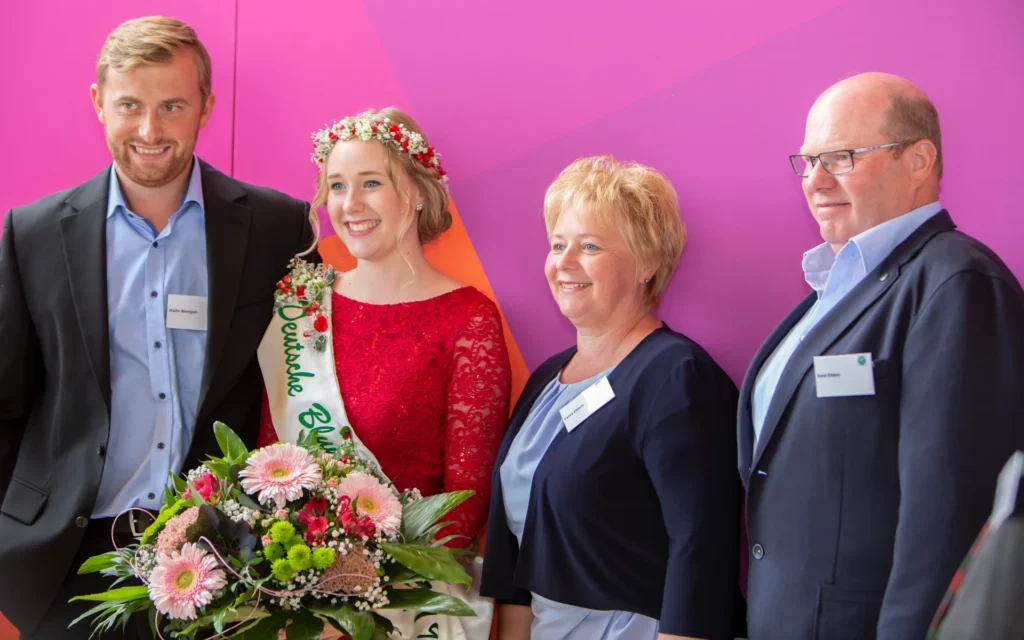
320 323
300 290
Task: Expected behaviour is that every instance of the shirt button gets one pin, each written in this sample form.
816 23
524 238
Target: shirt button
81 522
156 344
151 495
162 396
159 445
758 551
156 244
152 294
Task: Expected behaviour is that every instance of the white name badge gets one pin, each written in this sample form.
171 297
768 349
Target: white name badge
186 312
850 374
584 405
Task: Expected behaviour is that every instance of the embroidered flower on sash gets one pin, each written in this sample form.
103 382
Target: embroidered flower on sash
299 298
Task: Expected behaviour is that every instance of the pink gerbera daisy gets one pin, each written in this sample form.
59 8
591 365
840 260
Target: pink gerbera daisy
183 581
373 500
279 473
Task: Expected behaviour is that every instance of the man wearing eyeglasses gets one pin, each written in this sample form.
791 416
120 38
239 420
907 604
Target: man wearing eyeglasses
874 420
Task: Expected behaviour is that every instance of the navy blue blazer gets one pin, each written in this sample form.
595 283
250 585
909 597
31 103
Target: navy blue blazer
637 509
860 509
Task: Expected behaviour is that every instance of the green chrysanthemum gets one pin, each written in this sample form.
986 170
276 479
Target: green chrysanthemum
282 570
273 552
323 557
300 557
282 531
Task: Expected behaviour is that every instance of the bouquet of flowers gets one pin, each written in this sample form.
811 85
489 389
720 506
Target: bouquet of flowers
287 537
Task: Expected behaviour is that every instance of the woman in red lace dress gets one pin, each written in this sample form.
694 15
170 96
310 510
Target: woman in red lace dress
421 359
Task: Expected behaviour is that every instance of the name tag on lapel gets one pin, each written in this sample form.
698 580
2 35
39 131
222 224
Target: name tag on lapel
186 312
584 405
850 374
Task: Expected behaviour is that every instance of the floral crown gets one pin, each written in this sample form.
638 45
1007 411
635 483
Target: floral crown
395 134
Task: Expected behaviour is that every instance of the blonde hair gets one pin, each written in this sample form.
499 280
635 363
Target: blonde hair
152 40
637 200
434 219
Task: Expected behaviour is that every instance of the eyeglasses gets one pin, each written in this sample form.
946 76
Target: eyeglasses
835 162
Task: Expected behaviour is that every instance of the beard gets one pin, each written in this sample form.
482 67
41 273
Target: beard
150 174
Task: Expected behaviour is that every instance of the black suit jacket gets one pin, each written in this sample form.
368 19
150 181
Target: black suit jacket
860 509
55 371
638 508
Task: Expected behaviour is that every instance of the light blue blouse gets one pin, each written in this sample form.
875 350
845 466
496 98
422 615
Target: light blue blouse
554 620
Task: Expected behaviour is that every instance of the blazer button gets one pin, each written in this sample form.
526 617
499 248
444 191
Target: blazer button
758 551
81 522
101 451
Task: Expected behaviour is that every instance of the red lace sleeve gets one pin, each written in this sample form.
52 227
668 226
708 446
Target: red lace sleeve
479 384
267 435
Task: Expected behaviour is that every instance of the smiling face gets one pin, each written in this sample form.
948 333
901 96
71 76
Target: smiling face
590 270
365 205
152 116
881 186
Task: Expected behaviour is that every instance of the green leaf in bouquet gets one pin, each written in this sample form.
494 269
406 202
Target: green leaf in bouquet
230 444
304 626
227 614
123 594
445 540
298 625
266 628
419 516
400 574
358 624
98 563
434 564
179 483
429 601
383 624
169 497
243 499
112 614
219 468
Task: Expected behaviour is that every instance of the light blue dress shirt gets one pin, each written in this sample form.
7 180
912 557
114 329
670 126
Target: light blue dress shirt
554 620
832 275
155 372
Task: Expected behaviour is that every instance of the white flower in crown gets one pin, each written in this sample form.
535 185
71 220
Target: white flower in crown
387 132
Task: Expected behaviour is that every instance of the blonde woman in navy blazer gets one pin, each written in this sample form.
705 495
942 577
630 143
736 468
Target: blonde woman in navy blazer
616 517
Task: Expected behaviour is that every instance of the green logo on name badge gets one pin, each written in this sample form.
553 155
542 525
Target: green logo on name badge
862 360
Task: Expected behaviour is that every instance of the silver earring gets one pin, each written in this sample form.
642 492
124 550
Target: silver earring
419 207
647 281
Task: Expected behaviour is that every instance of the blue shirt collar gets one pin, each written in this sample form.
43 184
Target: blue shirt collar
869 248
193 193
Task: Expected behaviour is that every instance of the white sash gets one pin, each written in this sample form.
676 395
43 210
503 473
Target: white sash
299 372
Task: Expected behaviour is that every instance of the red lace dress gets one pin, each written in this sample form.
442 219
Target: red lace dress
426 389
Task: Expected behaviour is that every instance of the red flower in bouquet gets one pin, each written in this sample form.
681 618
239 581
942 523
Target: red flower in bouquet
354 525
316 529
206 485
312 516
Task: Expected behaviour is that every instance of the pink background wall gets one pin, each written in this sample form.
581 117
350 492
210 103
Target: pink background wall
713 93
